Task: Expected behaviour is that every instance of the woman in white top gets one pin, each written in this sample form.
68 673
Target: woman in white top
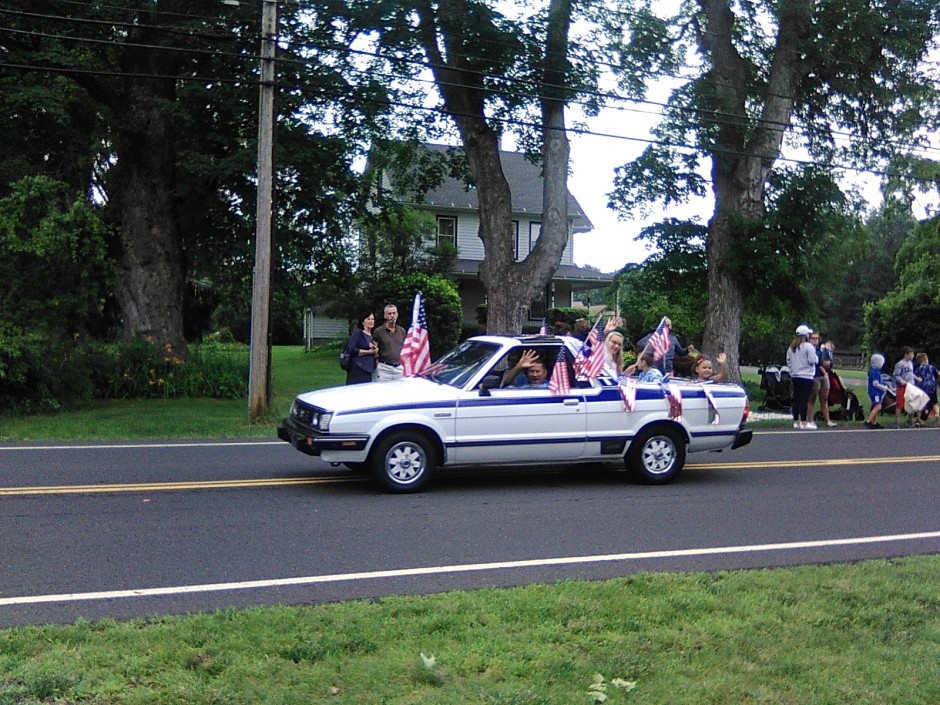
802 359
613 353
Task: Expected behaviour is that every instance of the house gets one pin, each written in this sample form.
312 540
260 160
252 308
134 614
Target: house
455 206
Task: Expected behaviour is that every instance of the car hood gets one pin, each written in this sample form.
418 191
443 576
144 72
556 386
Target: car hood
360 396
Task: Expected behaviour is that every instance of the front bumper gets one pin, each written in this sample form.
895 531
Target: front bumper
313 442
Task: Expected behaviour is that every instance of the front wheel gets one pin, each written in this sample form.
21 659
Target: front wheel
403 462
656 455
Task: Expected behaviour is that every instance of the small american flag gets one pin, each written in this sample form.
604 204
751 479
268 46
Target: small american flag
627 387
660 342
416 352
560 383
672 395
544 329
590 358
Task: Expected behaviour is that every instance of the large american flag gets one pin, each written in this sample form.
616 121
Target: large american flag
560 383
416 352
660 342
590 358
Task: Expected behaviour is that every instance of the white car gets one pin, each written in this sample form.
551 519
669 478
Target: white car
459 413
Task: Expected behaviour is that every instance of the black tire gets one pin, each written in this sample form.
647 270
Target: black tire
403 461
656 455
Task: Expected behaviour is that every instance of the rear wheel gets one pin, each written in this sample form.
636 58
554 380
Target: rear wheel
403 461
656 455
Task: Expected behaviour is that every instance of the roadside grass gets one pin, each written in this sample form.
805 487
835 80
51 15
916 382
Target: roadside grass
293 371
862 633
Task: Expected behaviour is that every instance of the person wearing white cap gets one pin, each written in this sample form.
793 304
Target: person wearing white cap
802 359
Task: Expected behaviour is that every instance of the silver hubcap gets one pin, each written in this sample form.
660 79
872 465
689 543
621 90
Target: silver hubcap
405 462
659 455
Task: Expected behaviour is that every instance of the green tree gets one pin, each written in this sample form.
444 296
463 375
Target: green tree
802 71
159 105
488 68
909 314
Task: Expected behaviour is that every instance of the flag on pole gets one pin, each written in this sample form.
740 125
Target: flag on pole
560 382
712 406
416 352
660 342
544 329
590 358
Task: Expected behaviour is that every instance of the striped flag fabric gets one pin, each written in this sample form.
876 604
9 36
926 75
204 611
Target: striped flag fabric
627 387
416 351
660 342
590 358
544 329
560 382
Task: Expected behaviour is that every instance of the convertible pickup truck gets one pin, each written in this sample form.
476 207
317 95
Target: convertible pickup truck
462 411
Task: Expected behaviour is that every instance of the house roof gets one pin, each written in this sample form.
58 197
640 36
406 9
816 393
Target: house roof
525 183
565 272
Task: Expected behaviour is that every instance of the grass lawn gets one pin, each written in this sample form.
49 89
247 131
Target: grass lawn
867 633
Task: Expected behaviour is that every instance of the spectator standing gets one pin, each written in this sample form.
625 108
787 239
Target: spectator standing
820 388
903 375
928 382
362 351
802 359
389 337
665 363
876 390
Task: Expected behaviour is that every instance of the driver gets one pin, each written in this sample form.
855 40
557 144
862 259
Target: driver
530 371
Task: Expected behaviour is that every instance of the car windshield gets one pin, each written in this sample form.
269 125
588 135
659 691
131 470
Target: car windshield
461 363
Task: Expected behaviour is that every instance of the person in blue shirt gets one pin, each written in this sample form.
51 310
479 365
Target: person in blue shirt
928 382
530 372
876 390
645 369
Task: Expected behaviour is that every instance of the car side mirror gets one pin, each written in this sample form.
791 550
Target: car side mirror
488 383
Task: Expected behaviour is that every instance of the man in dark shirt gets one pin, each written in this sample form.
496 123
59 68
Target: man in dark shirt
390 338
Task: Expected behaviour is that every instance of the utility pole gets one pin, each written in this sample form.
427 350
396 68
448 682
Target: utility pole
259 373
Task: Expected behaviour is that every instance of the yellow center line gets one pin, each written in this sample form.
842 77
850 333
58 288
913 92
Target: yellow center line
814 463
288 481
165 486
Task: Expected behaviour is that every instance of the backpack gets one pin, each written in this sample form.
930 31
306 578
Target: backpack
344 360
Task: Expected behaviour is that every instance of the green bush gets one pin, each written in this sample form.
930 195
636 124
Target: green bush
41 375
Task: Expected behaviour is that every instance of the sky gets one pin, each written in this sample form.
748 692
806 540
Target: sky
594 157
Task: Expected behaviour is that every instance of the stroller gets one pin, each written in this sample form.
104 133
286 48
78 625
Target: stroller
843 403
890 399
778 389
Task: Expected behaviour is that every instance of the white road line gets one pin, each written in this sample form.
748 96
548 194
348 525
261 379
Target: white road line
118 446
466 568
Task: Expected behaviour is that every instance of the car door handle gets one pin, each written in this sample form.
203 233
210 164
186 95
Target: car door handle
571 402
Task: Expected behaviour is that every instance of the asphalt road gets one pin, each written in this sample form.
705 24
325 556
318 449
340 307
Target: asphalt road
138 529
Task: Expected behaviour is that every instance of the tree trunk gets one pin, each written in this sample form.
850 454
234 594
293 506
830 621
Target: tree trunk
150 281
745 154
510 286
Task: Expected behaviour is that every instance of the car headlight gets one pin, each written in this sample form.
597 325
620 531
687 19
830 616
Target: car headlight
315 418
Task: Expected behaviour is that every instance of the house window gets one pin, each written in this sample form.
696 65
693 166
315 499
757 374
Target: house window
538 309
535 229
447 230
515 240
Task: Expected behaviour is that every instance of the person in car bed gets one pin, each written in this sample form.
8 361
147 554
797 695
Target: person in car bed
704 369
645 369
